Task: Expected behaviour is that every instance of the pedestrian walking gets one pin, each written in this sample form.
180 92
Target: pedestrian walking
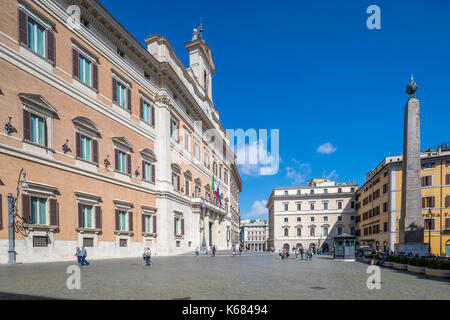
280 252
78 254
240 250
234 252
296 253
301 253
214 251
196 252
147 256
83 253
284 253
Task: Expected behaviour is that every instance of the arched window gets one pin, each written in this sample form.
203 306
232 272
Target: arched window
325 231
339 230
299 232
352 231
312 232
286 232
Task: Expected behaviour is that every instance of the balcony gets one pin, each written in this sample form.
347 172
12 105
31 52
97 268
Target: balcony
198 201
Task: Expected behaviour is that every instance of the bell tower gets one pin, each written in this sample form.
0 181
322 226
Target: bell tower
201 63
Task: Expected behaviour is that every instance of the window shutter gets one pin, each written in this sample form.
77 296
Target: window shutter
152 169
154 224
143 223
152 108
423 203
447 201
130 221
117 219
178 184
143 171
129 99
116 158
98 217
78 142
26 125
95 76
174 226
51 46
75 67
53 212
45 132
432 202
26 208
423 181
95 151
80 215
182 227
141 108
129 163
114 90
447 179
23 27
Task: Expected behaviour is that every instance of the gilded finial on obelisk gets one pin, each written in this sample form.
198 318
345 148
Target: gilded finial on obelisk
412 86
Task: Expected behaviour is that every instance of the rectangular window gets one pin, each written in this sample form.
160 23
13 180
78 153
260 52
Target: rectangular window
339 204
84 66
206 158
85 148
87 216
122 221
88 242
40 241
122 162
325 218
312 206
37 128
187 140
299 206
299 219
36 39
428 165
197 150
427 181
186 187
312 219
339 190
123 243
286 219
147 226
38 210
286 207
121 94
325 190
174 129
325 206
146 112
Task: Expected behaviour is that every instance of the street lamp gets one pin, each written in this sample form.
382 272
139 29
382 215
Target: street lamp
204 218
429 231
12 214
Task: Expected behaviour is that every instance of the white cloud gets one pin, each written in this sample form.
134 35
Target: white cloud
326 148
299 173
258 211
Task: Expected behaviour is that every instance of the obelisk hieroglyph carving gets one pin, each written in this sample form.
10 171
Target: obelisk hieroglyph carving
411 224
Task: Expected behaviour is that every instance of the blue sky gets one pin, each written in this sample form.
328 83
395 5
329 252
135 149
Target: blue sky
313 70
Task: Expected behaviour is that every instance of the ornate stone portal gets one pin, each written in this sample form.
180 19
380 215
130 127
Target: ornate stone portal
411 225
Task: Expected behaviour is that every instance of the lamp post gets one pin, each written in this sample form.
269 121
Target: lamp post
204 218
12 214
429 231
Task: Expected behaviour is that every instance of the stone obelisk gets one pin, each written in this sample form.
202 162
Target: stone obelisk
411 224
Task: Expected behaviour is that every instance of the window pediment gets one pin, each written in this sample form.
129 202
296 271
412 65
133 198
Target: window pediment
38 102
176 167
123 142
148 154
188 174
86 124
198 181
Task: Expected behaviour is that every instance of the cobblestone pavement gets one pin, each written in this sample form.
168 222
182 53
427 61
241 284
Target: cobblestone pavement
222 277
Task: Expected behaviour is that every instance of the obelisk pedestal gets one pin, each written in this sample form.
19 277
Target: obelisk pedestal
411 224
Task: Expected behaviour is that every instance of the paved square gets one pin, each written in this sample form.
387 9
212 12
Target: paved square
222 277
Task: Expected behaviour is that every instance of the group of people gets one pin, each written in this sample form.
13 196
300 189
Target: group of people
81 255
297 253
213 251
147 256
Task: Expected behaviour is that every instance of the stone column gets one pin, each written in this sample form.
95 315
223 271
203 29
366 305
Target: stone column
411 225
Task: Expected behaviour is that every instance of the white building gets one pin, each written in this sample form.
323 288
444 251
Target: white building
310 216
254 234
